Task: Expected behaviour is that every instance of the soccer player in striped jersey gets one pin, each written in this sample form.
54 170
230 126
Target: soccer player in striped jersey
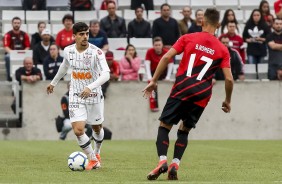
203 54
86 102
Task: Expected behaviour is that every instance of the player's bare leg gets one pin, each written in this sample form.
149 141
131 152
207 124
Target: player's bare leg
162 144
179 148
98 136
85 143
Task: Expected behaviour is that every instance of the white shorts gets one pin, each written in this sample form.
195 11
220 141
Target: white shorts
92 114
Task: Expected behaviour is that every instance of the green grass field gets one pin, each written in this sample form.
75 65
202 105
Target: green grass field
206 162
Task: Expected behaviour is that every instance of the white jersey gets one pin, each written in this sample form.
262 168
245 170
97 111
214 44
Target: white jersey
86 68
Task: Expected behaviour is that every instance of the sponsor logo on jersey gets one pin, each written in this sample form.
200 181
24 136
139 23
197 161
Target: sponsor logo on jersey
81 75
91 94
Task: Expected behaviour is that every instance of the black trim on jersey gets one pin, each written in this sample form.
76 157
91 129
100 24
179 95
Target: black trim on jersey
194 86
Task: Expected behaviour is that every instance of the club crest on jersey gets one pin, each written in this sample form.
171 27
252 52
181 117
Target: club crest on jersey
99 52
87 61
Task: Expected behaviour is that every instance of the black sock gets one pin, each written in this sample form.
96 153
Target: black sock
180 144
162 141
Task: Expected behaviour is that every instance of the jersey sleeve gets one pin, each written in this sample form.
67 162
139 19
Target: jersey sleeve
102 62
7 40
179 45
226 59
26 41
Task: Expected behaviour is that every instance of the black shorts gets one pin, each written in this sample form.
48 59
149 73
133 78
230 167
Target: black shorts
176 110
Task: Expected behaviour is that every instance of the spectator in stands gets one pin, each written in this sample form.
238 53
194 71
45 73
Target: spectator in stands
14 40
166 27
153 57
129 64
41 49
265 12
197 25
185 23
278 8
236 41
274 42
81 5
229 16
236 62
149 4
97 36
65 36
114 71
104 4
138 27
34 4
113 25
52 62
254 34
30 74
36 37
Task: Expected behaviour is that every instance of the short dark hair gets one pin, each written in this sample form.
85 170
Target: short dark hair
68 16
93 22
79 26
212 16
139 7
109 2
16 18
231 22
165 4
41 22
157 39
276 19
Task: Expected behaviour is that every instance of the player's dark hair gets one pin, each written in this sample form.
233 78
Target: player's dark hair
78 27
16 18
69 17
157 39
54 43
165 4
212 16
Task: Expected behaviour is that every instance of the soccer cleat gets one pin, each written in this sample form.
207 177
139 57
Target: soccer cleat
93 164
172 171
98 157
161 168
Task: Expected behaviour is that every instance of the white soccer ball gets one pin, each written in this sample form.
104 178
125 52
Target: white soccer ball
77 161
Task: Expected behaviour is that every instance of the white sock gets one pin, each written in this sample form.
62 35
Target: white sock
98 140
176 160
85 144
163 157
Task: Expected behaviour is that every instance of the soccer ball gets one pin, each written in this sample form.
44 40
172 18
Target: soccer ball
77 161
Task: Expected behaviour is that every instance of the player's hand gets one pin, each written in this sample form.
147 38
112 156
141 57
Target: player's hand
226 107
50 89
85 93
149 88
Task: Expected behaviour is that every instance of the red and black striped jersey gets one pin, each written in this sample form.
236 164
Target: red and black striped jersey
203 54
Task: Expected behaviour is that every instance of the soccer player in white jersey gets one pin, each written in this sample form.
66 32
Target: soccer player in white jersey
86 101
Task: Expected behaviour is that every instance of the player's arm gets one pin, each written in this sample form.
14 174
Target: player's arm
61 73
228 89
104 76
